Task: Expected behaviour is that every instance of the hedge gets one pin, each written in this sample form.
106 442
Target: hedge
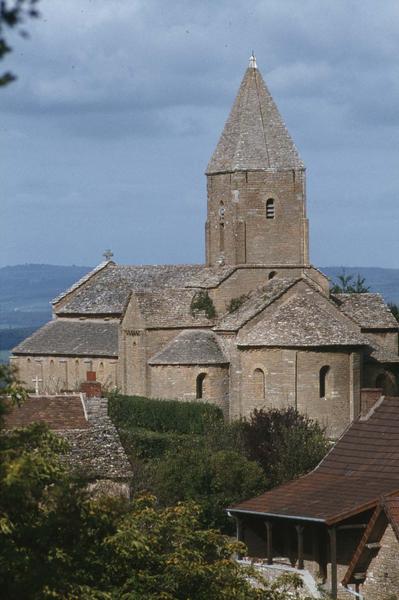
132 412
146 444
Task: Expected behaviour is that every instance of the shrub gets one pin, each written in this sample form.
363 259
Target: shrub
235 303
285 443
129 412
203 302
145 444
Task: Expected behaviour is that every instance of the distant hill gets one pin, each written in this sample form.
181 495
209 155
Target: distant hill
378 279
26 292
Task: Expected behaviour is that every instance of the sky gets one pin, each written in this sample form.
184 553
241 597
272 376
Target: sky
119 104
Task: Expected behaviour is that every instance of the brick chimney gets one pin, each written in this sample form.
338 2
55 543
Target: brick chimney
91 387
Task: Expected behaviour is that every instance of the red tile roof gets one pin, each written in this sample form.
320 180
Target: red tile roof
362 466
58 412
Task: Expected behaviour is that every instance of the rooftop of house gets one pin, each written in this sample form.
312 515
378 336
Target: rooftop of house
191 348
368 310
67 337
300 322
94 445
361 467
255 136
58 412
161 308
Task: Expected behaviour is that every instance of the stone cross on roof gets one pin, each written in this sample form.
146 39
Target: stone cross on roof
108 254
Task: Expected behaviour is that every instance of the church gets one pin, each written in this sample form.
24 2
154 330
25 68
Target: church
256 326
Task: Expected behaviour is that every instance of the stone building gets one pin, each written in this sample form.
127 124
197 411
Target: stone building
256 326
341 521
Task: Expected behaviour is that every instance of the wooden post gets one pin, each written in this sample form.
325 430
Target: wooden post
269 542
333 557
299 530
239 531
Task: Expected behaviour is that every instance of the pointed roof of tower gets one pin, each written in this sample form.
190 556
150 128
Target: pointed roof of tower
255 136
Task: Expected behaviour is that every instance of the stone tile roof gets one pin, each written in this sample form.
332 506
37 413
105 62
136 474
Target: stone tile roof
191 348
97 451
383 355
369 310
82 280
255 136
72 338
108 293
58 412
257 301
170 308
362 466
299 322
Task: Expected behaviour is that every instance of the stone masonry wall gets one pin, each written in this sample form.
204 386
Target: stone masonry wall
291 378
382 581
62 373
237 227
179 382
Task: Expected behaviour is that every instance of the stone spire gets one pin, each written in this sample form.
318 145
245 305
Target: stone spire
255 136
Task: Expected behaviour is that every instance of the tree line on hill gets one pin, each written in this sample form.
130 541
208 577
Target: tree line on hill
59 541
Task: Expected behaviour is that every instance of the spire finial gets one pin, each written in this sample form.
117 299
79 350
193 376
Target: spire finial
252 61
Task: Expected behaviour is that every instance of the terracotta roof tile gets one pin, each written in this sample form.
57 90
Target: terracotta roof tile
362 466
58 412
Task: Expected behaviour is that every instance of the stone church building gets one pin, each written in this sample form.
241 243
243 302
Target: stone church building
255 326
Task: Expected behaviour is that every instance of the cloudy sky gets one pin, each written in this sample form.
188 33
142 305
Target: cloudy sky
119 104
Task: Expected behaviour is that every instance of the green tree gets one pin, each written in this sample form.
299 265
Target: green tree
394 308
284 442
13 14
348 285
11 391
213 479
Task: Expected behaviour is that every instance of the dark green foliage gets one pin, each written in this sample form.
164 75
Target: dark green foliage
285 443
203 302
215 480
12 14
235 303
146 444
347 285
163 415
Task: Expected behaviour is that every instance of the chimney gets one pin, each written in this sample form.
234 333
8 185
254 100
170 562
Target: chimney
91 387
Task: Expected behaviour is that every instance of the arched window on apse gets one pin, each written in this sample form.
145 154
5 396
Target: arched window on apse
200 386
258 382
270 211
272 274
323 376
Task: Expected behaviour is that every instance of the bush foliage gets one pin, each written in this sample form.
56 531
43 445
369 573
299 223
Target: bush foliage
163 416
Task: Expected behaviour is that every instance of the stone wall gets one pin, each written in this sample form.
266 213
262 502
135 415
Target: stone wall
292 378
382 581
64 373
237 227
180 382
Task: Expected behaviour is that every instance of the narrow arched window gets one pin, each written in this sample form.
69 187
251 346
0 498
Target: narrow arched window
270 213
258 379
51 368
221 238
200 386
272 274
323 380
221 210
